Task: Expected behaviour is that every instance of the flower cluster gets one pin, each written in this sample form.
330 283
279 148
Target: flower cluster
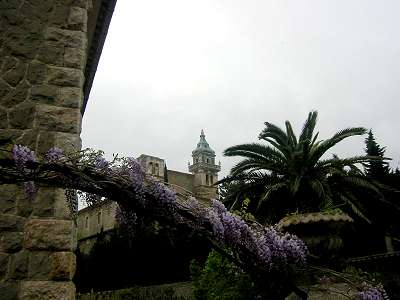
270 247
22 155
54 154
101 163
370 292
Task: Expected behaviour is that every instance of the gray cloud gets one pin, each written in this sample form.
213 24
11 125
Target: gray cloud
171 68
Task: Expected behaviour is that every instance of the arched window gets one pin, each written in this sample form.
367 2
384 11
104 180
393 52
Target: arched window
211 180
208 160
207 180
99 217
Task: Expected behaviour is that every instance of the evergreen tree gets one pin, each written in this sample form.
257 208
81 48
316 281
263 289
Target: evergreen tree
377 169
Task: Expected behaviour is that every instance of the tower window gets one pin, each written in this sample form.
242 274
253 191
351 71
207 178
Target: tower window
208 160
99 217
211 180
86 222
207 180
156 169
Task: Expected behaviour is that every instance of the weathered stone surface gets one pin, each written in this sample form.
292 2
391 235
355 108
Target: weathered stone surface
77 19
11 223
63 266
69 142
4 89
4 259
28 138
40 265
9 64
47 290
11 242
65 76
22 116
21 43
8 290
18 268
68 38
48 234
3 118
51 53
38 11
87 4
8 194
36 72
74 58
59 119
8 4
15 75
71 97
46 94
49 202
16 96
59 14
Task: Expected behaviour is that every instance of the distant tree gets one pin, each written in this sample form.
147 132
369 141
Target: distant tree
293 175
376 169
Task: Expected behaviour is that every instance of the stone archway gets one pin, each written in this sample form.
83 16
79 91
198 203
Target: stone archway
49 50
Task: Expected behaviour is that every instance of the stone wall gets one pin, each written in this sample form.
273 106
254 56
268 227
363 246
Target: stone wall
43 45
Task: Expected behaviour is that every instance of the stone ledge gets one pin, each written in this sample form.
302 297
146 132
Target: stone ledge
46 290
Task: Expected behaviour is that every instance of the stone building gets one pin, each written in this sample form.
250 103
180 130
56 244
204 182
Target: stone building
49 51
199 183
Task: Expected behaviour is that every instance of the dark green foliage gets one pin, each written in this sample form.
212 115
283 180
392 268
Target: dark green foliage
377 169
221 279
154 254
288 173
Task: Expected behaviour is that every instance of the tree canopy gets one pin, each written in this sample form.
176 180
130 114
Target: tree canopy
291 174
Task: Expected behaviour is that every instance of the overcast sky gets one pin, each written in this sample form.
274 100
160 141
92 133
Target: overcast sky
172 67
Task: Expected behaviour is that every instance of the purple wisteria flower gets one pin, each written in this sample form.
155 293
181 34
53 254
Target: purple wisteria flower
101 163
30 190
54 154
370 292
270 247
22 155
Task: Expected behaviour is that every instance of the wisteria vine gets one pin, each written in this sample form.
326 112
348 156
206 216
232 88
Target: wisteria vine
253 247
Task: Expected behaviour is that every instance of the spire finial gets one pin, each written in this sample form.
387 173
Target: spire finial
202 133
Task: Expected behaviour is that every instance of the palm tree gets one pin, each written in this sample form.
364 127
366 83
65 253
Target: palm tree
291 174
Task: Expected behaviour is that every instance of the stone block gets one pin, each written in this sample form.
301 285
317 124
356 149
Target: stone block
59 119
77 19
46 94
21 43
39 265
10 63
8 4
41 206
8 290
4 90
59 14
51 53
22 116
71 97
74 58
36 72
15 75
68 38
11 242
4 259
8 138
28 138
69 142
16 96
48 235
3 118
37 10
63 265
12 223
18 268
8 194
65 76
47 290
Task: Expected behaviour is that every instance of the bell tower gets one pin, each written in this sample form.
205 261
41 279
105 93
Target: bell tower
204 169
